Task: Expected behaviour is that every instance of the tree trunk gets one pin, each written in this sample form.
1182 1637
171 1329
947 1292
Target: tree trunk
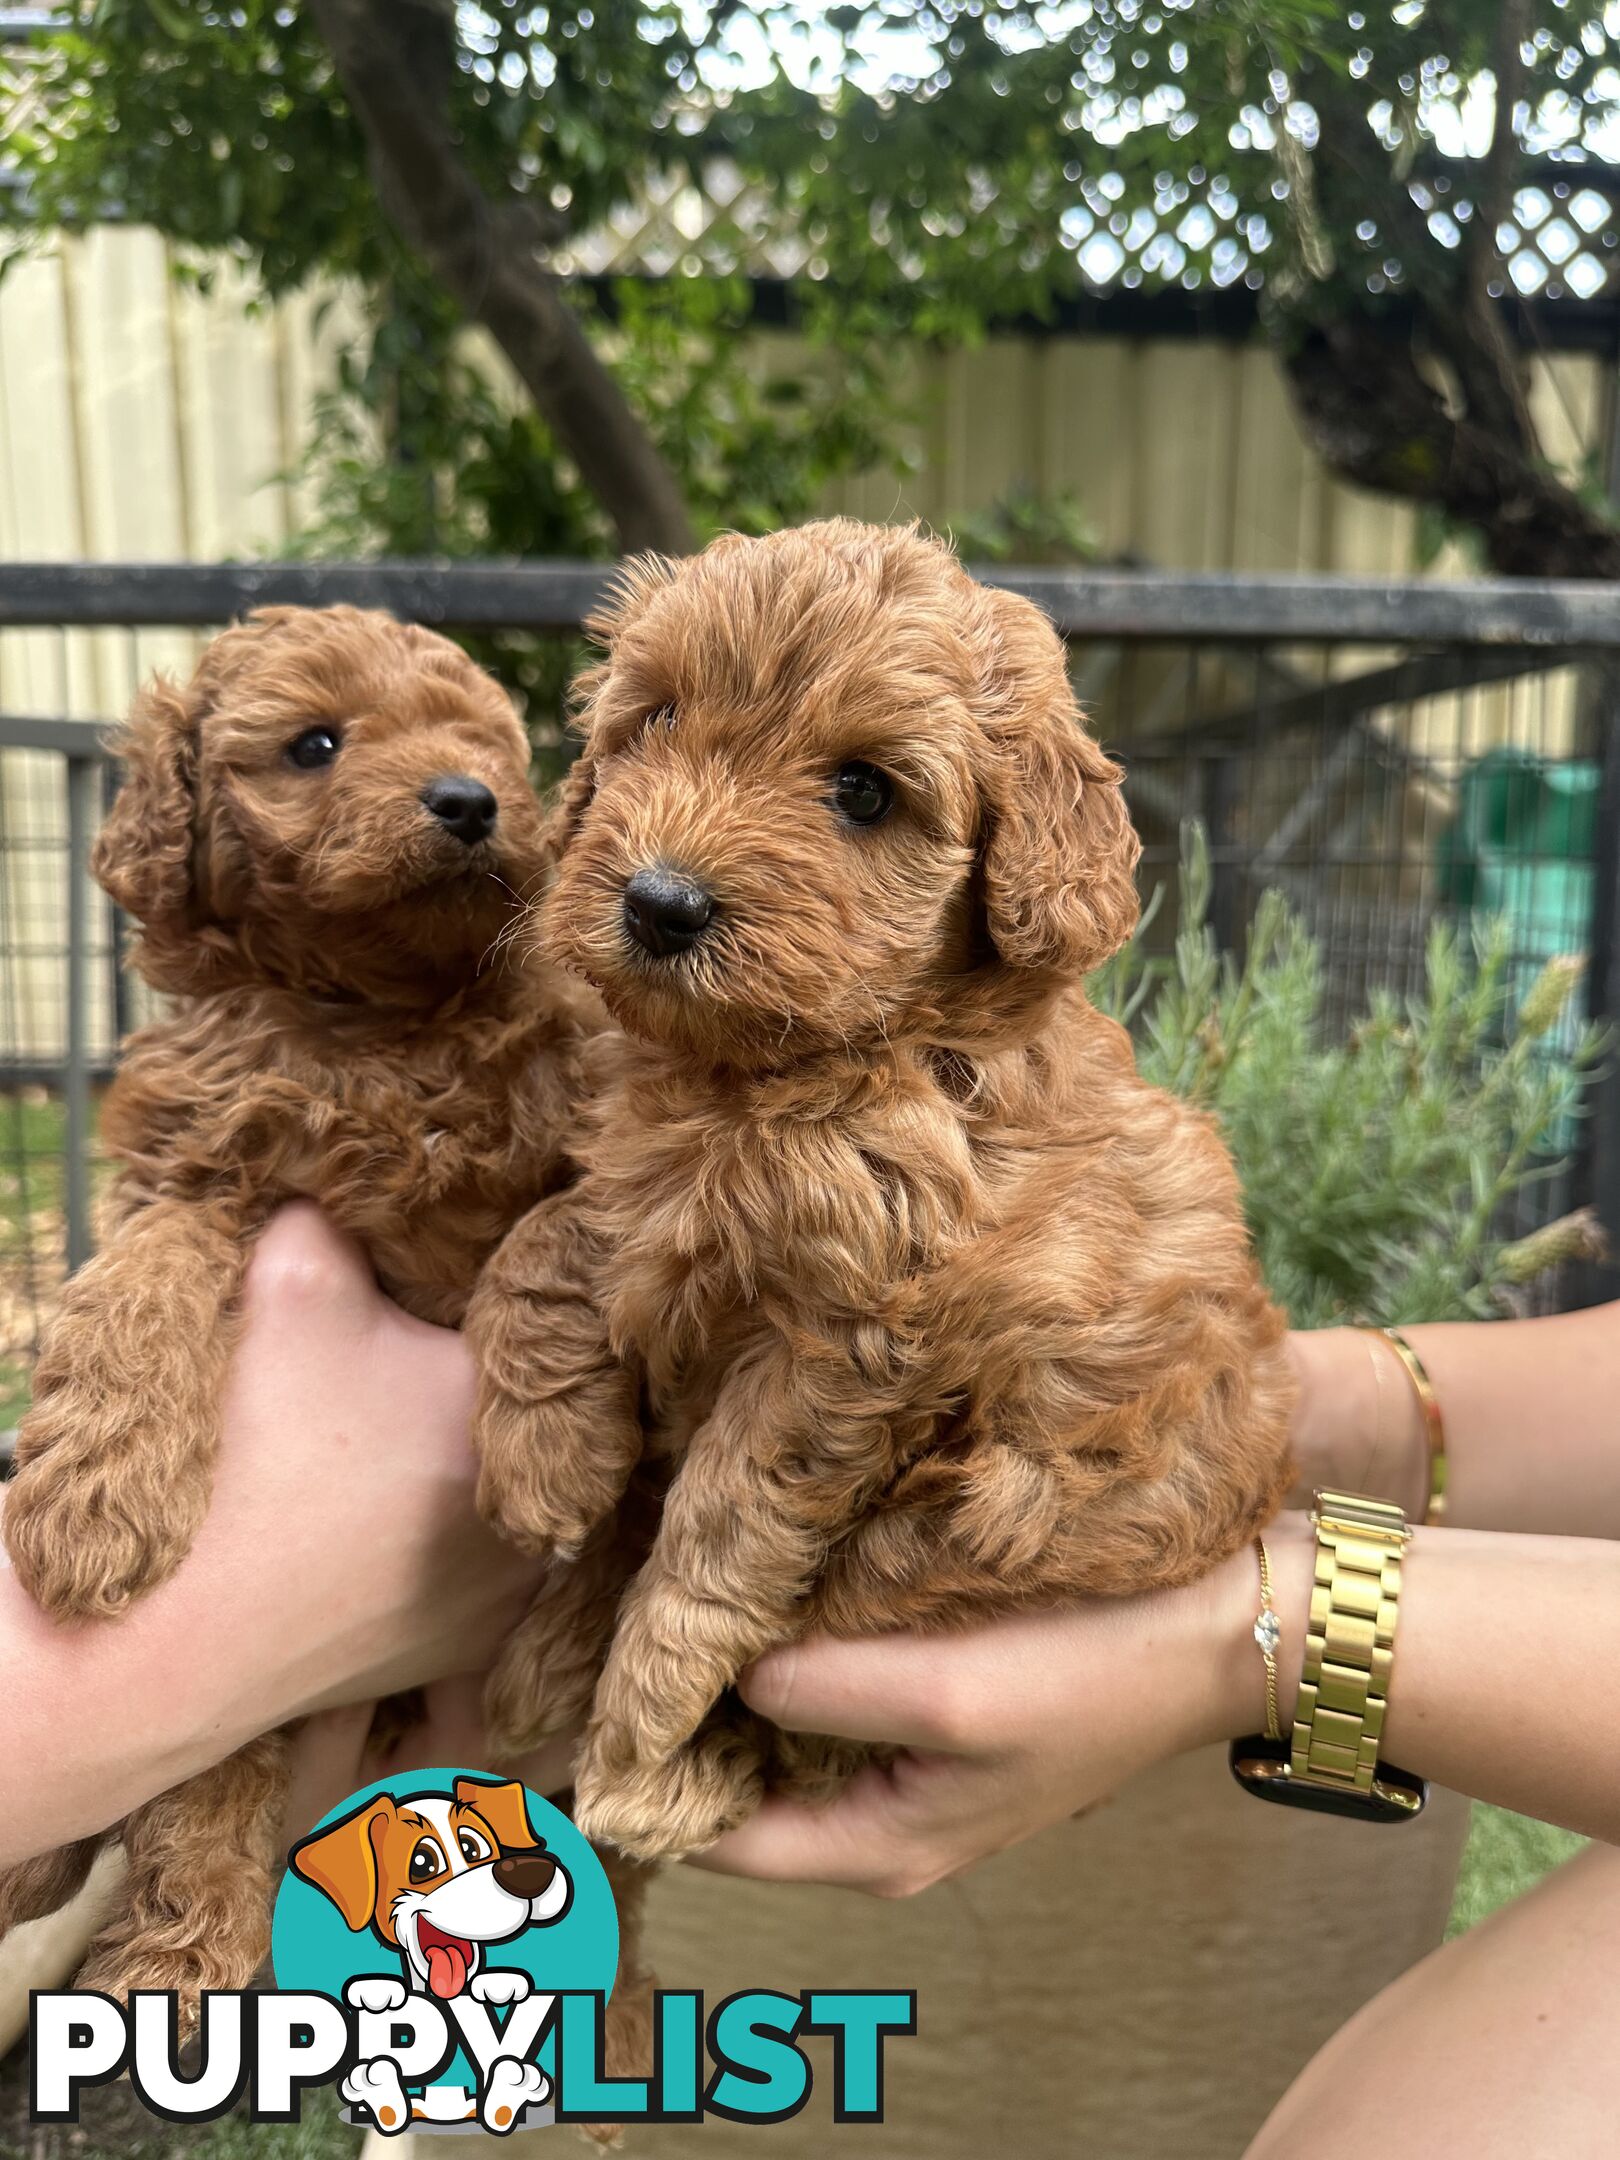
1368 406
394 59
1373 417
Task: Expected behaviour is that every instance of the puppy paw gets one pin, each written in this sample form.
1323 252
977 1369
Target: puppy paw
375 1992
130 1956
512 2087
520 1510
89 1531
501 1984
121 1972
667 1810
378 2088
517 1716
33 1889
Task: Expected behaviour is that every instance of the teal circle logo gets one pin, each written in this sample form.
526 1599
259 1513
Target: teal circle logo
458 1901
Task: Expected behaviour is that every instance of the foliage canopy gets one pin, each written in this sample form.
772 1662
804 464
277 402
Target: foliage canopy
931 169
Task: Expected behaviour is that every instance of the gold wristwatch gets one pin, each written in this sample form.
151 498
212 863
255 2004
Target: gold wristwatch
1330 1761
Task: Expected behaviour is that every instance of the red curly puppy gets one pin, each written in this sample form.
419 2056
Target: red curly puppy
323 838
930 1305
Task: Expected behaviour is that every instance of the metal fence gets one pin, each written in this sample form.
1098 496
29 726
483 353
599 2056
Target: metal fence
1389 753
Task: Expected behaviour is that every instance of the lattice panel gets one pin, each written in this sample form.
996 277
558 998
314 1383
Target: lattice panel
1562 241
1563 238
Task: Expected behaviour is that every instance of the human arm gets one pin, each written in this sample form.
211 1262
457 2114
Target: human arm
342 1558
1505 1688
1530 1418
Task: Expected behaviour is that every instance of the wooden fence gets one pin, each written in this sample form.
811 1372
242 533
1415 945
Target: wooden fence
141 419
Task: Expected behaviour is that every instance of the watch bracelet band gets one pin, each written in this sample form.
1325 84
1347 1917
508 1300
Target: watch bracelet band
1330 1762
1349 1645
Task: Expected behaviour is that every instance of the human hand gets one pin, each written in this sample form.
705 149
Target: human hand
1011 1727
342 1557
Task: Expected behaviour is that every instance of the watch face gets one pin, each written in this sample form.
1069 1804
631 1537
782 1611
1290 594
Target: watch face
1263 1767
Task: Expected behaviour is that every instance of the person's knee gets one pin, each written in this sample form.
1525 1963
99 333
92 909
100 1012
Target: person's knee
304 1267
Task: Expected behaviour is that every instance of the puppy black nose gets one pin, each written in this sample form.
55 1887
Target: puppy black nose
463 805
665 913
525 1874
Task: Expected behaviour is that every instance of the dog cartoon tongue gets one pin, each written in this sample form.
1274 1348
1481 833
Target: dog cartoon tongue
448 1957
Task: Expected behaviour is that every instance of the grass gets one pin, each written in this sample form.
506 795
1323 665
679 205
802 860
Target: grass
1504 1856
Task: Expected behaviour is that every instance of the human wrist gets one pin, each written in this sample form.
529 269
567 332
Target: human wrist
1358 1423
1227 1696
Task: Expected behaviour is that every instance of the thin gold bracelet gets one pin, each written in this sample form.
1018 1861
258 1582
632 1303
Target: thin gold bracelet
1434 1424
1268 1634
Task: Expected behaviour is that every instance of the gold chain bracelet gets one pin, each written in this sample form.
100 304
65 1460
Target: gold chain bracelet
1268 1634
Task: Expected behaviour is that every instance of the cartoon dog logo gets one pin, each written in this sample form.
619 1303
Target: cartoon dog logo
436 1877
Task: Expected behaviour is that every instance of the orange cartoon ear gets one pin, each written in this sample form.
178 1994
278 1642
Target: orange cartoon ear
342 1861
503 1808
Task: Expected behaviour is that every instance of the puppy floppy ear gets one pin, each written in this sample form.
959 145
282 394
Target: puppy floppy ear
143 853
1060 853
342 1861
503 1808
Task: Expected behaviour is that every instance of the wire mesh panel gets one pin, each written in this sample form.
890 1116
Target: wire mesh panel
1386 796
62 1009
1392 759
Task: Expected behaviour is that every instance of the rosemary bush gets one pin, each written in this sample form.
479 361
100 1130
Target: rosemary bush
1376 1168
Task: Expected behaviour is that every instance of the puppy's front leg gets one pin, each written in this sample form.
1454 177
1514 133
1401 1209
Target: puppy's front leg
556 1421
742 1538
115 1457
194 1909
547 1671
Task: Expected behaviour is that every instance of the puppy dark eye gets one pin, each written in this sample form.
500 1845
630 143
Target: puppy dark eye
862 793
473 1848
660 720
426 1860
316 746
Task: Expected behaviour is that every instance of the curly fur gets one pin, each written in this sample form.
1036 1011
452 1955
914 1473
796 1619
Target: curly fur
929 1304
352 1026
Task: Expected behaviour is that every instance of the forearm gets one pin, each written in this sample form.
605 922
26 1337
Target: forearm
99 1718
300 1591
1530 1410
1507 1666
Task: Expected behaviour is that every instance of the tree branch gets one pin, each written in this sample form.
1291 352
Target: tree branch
1373 417
1450 291
394 59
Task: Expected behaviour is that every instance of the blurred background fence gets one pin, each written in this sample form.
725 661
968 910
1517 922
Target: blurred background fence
1390 754
146 413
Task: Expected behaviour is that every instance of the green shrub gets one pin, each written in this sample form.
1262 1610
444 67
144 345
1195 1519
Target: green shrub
1376 1169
